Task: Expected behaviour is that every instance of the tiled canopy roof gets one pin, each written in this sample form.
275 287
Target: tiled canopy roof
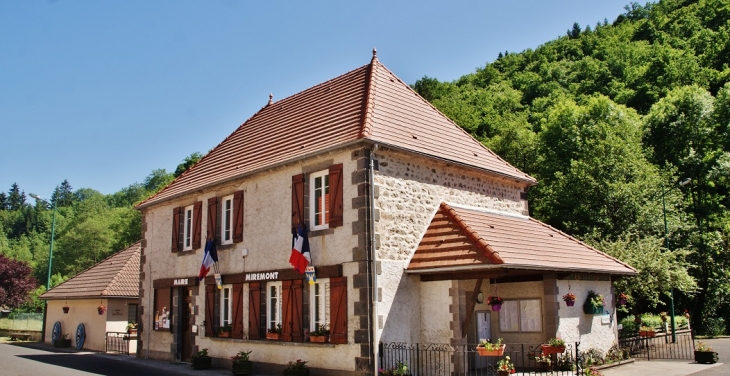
471 239
116 276
368 103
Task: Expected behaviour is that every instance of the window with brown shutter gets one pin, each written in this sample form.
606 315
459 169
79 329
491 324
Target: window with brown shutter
335 199
175 247
209 309
197 222
292 310
210 233
237 311
254 310
238 217
338 310
297 201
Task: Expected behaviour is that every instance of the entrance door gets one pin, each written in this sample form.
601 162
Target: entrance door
484 331
187 318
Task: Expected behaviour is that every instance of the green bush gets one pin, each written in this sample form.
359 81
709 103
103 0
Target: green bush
714 326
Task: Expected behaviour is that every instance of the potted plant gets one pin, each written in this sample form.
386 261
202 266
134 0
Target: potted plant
569 299
663 316
705 354
225 331
201 360
132 328
274 333
594 303
321 335
487 348
622 299
297 368
101 309
647 331
241 364
495 302
62 342
554 346
505 367
65 309
400 369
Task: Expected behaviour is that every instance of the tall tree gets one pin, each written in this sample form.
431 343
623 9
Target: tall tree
3 201
16 198
63 195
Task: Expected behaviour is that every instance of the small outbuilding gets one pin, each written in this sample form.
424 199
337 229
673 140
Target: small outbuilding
94 308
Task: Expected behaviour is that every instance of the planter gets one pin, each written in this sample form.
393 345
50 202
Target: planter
707 357
62 343
647 333
622 302
273 336
319 339
224 335
496 307
570 303
132 332
243 368
484 352
502 373
547 349
296 372
65 310
589 309
201 362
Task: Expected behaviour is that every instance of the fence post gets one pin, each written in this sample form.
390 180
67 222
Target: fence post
418 359
578 366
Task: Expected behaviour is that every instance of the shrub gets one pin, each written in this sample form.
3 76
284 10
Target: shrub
714 326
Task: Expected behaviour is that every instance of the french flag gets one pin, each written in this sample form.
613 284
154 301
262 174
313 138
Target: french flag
209 258
300 256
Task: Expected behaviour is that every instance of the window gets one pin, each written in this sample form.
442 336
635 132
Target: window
273 311
226 305
188 228
521 316
163 313
319 195
227 220
131 313
319 304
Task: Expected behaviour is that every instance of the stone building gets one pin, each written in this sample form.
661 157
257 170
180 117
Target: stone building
408 219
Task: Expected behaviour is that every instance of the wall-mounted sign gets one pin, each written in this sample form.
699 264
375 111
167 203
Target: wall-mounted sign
606 317
117 312
181 282
270 276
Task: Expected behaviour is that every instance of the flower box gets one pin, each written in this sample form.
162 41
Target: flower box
273 336
484 352
244 368
296 372
224 335
202 362
62 342
503 373
547 349
706 357
647 333
590 309
319 339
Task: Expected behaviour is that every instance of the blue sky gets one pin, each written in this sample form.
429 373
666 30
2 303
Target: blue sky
103 92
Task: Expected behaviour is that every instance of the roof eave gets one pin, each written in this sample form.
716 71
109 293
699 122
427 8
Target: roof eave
490 267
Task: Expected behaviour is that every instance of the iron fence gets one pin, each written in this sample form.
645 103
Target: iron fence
464 360
660 346
117 343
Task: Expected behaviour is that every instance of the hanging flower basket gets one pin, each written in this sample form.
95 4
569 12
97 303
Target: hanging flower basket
101 309
622 299
569 299
495 302
65 309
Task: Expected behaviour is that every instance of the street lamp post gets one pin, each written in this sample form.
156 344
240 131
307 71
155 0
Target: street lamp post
666 245
50 263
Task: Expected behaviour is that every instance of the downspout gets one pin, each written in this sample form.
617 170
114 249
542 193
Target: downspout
372 278
149 312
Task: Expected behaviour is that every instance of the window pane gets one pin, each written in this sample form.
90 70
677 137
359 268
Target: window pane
227 221
188 227
226 305
530 315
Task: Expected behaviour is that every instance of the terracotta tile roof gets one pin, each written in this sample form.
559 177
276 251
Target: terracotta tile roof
116 276
470 239
369 102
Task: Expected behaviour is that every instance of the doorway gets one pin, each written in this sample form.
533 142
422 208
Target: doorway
483 331
187 319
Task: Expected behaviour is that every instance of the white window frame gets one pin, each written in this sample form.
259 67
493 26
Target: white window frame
273 304
226 305
188 228
227 222
324 175
319 301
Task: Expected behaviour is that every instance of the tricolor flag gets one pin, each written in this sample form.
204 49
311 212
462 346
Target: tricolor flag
209 258
300 256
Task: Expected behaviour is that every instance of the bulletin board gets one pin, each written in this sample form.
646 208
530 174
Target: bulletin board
163 309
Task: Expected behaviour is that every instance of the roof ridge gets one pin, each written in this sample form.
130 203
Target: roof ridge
472 235
525 175
582 243
366 128
130 260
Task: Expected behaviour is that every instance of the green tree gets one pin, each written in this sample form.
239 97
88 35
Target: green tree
16 198
63 195
188 162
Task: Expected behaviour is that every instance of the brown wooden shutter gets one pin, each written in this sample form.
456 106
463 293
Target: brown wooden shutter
197 223
292 328
209 309
237 310
175 229
238 216
254 307
297 201
338 310
336 190
210 233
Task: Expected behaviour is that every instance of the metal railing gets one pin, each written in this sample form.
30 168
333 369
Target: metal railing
118 342
660 346
464 360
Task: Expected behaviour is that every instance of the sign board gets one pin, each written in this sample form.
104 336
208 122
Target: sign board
606 317
181 282
264 276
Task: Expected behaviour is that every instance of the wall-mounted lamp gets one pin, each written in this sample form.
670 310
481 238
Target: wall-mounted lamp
244 252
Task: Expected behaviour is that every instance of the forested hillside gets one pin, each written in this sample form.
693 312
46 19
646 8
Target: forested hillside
90 226
610 118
